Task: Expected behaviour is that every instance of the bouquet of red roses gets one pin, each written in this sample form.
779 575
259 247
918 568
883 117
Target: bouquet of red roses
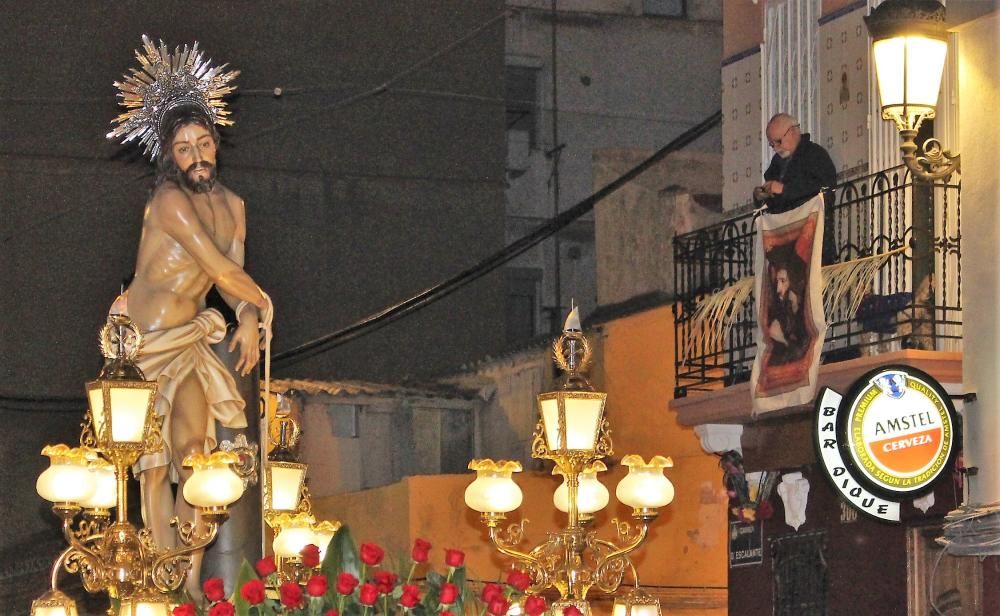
352 581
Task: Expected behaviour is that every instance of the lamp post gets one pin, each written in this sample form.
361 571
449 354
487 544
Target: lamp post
120 426
574 432
909 44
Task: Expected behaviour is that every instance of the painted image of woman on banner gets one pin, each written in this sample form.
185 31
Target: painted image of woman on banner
789 304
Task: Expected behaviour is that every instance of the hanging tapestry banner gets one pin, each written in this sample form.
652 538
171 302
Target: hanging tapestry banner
788 289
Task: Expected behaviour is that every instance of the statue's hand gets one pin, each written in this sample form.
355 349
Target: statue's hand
245 339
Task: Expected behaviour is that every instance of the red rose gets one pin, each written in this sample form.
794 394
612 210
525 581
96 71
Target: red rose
449 593
316 586
385 581
519 580
310 556
214 589
371 554
410 597
223 608
454 558
571 610
534 605
265 566
420 551
491 591
291 594
185 609
446 613
498 606
253 592
332 613
346 583
368 594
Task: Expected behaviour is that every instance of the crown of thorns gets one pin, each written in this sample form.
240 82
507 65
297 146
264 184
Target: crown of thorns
165 81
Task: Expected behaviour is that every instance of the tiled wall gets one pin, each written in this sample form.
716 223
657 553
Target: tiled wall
741 130
843 89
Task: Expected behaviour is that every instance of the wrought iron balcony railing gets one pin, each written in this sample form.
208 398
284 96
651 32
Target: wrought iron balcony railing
914 300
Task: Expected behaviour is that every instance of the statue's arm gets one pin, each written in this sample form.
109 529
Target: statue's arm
176 216
237 251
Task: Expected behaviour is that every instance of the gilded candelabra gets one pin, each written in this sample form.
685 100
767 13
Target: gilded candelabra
287 507
84 483
575 434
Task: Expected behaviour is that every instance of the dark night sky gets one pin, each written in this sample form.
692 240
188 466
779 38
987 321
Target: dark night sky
350 207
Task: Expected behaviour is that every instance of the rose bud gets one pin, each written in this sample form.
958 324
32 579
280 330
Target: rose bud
519 580
498 606
346 583
454 558
265 566
253 592
291 594
420 551
449 593
371 554
223 608
491 591
368 594
316 586
534 606
310 556
214 589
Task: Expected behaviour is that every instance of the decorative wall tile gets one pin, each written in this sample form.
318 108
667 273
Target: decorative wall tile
843 120
741 130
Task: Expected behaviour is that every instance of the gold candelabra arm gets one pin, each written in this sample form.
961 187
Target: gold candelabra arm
80 558
170 568
610 573
528 560
611 563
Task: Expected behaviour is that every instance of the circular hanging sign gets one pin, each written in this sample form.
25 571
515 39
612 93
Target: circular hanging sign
889 438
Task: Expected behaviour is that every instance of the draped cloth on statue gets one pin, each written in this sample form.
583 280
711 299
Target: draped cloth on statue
171 355
791 325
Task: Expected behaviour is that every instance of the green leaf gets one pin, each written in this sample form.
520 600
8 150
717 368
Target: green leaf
341 556
246 574
458 579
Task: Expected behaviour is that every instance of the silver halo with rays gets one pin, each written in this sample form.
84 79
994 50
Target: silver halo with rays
163 82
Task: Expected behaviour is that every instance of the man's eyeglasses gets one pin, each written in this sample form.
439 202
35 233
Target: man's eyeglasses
777 142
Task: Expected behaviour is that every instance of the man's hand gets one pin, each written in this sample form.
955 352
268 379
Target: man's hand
246 338
774 187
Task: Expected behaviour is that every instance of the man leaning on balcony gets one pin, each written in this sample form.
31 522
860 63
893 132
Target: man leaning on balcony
799 170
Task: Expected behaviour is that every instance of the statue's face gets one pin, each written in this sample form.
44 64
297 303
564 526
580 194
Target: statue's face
194 150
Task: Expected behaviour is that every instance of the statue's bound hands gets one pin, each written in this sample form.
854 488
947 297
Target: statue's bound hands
245 339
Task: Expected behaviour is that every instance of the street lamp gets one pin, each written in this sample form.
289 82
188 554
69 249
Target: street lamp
573 431
909 44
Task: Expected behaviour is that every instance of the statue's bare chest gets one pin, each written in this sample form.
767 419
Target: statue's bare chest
216 218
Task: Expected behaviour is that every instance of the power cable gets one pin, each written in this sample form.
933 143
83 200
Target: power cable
511 251
382 87
390 314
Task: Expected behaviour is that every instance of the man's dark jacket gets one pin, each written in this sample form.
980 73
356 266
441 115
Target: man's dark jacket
808 170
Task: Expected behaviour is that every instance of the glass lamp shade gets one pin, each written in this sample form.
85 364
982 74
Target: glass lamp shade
68 478
909 71
493 490
591 495
150 604
53 603
635 603
323 532
581 412
105 495
125 405
284 485
294 533
213 484
645 486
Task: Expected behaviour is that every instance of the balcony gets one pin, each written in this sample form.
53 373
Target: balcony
908 310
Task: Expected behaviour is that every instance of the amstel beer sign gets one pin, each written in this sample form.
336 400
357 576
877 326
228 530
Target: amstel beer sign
887 440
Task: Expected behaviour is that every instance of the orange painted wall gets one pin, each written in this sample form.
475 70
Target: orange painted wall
686 548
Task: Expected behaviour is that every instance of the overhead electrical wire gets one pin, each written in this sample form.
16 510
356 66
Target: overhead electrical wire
428 296
511 251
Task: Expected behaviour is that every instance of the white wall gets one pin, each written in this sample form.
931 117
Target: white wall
979 88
